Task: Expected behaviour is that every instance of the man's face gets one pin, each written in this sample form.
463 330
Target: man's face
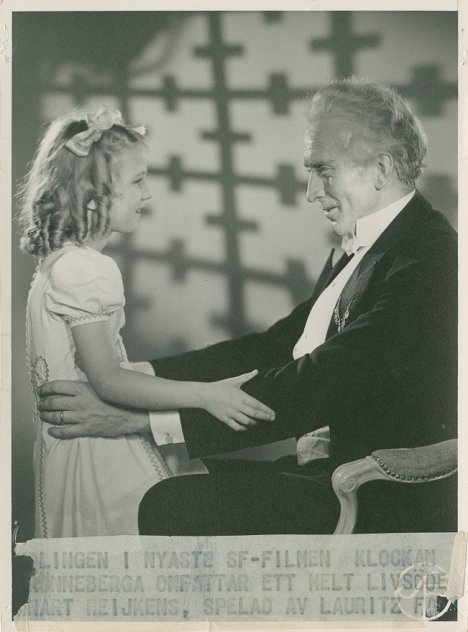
343 189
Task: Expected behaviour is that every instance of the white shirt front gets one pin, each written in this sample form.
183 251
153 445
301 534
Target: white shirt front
166 426
368 230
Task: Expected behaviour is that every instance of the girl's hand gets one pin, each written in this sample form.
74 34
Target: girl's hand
228 403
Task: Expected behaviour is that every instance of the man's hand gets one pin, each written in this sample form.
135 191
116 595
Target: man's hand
76 411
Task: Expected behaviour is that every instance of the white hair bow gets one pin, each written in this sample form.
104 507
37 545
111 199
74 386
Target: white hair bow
107 116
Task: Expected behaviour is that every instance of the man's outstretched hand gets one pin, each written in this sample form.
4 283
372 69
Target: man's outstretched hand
75 410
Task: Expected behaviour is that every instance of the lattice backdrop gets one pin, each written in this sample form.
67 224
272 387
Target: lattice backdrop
229 243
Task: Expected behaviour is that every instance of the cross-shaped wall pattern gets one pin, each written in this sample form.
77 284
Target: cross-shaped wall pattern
228 243
221 47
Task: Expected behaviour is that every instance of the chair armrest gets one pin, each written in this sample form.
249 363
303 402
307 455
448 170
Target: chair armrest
419 465
403 465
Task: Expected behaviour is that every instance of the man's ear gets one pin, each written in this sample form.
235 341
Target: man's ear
384 170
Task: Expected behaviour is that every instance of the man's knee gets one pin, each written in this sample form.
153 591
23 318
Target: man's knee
171 506
158 507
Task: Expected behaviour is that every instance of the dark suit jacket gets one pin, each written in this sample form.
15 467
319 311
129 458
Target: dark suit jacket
388 379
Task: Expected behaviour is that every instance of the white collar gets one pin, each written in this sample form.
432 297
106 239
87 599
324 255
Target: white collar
370 227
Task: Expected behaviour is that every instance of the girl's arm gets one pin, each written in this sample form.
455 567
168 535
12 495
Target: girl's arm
223 399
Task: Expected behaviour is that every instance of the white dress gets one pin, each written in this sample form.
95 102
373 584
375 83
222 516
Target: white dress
87 486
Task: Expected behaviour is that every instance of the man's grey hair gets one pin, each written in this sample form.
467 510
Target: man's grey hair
380 121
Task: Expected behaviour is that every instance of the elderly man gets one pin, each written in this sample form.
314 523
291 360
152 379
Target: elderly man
371 355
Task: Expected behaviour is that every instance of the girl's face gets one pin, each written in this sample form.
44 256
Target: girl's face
130 189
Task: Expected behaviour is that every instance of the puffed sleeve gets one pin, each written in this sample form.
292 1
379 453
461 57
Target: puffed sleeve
85 286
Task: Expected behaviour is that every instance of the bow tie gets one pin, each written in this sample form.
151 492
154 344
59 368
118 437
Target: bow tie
350 244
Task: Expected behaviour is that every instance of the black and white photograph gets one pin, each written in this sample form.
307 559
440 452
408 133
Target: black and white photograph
234 273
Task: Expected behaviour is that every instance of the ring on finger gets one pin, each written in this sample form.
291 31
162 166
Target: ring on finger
61 417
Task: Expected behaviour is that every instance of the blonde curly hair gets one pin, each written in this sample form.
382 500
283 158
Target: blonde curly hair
56 193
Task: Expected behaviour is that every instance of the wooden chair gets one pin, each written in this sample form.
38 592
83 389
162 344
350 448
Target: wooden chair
402 465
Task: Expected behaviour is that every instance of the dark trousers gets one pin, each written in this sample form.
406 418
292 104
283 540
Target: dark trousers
241 498
245 497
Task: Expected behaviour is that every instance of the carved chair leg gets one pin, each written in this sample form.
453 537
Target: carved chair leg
346 481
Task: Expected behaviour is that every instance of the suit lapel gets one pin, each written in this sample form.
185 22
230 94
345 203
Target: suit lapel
403 225
330 271
359 280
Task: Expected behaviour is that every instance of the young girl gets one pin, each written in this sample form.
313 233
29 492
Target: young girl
88 180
